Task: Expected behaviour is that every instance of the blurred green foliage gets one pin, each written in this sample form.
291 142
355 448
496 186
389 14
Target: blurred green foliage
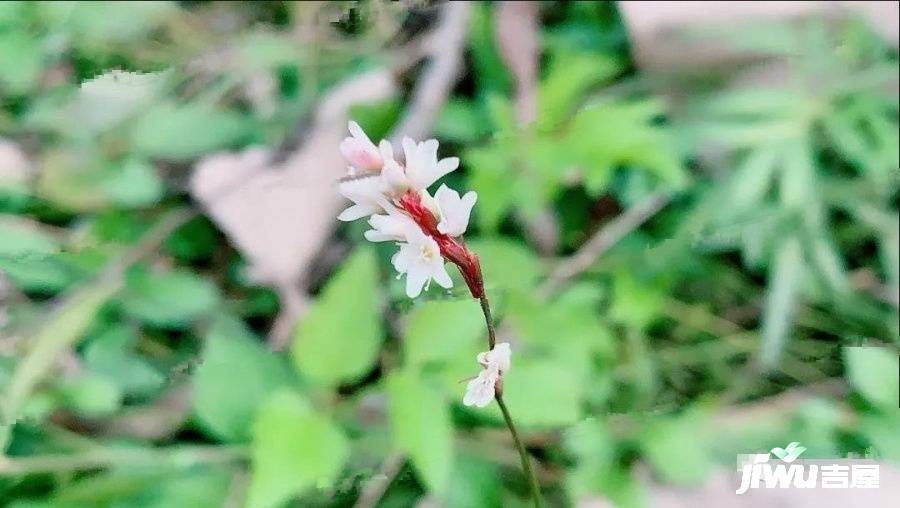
146 381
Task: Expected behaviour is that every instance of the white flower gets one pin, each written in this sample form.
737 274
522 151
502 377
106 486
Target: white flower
365 192
422 165
359 150
497 358
391 227
480 391
393 177
454 211
420 259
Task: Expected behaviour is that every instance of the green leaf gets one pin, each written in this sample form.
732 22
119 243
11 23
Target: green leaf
98 22
339 338
43 275
61 330
490 179
12 13
889 247
570 75
236 374
109 355
476 482
438 329
622 133
262 50
21 238
199 487
81 180
635 303
461 121
491 75
293 449
543 393
590 443
133 185
671 447
195 240
571 324
829 262
21 61
881 431
376 118
753 102
170 300
753 177
179 132
784 281
92 396
873 372
798 178
506 264
202 487
421 427
847 139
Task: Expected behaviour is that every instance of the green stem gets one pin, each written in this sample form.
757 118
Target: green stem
523 454
486 309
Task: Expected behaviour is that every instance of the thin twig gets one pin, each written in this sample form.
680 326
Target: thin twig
378 485
445 46
602 241
516 33
294 304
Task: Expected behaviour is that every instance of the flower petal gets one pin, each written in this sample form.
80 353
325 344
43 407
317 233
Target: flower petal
356 211
441 276
359 150
445 166
480 391
357 132
454 211
391 227
416 277
499 357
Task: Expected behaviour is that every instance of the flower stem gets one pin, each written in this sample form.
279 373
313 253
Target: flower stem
523 455
489 320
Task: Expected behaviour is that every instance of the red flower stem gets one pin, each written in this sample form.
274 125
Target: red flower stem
453 249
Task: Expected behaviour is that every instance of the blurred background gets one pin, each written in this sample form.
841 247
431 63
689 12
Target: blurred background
687 216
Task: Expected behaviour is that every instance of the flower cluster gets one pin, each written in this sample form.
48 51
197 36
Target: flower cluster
427 228
395 198
481 389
